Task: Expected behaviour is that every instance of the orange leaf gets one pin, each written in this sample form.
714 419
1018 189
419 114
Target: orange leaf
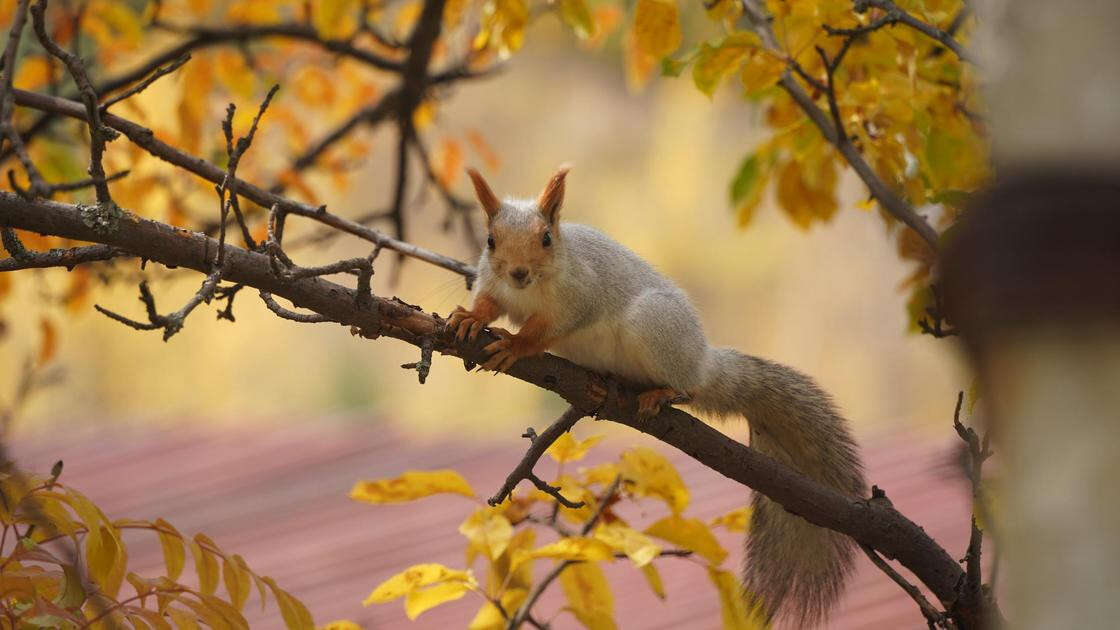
33 73
483 149
48 343
451 162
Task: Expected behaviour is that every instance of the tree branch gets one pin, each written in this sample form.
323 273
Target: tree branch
145 138
880 527
894 14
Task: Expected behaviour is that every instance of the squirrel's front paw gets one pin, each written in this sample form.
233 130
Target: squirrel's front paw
504 352
465 323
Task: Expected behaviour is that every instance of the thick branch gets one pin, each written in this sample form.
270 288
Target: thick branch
880 527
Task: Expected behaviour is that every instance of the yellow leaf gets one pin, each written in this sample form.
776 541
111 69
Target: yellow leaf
651 475
412 485
424 114
657 27
334 19
341 624
807 194
5 285
603 474
174 554
314 86
503 26
453 13
295 614
33 73
607 18
205 565
653 578
571 548
713 63
106 559
254 11
419 600
490 618
236 580
639 63
200 7
48 341
414 577
577 16
636 545
761 71
733 607
197 83
689 533
183 619
589 595
735 520
568 449
488 531
237 78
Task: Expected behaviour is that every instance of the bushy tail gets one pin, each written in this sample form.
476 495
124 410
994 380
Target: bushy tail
793 569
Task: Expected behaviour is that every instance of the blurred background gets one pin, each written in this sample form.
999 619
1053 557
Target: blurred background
229 428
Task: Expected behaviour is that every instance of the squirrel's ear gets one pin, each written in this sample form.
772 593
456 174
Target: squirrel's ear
485 195
552 197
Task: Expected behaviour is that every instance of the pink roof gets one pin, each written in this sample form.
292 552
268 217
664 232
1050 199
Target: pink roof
278 497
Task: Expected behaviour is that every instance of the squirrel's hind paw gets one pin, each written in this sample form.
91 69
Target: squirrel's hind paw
651 401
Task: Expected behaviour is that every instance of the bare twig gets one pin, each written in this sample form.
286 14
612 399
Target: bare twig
99 134
894 14
143 85
538 444
171 323
7 129
303 318
68 258
236 150
978 452
934 617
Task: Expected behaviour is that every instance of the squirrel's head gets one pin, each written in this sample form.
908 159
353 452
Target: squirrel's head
524 236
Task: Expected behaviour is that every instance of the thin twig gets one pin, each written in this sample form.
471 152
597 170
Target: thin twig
99 134
538 444
143 85
7 129
539 589
895 14
68 258
303 318
934 617
173 322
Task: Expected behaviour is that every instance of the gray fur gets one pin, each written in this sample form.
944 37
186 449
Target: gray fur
611 311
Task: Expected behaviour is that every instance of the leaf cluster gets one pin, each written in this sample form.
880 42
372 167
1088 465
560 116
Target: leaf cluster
522 545
64 564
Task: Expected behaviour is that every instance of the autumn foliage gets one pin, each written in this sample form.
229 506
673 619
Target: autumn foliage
841 85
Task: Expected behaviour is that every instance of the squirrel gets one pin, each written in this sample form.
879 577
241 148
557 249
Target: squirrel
575 292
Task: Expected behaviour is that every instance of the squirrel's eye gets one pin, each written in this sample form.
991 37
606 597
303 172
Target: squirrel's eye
547 240
490 242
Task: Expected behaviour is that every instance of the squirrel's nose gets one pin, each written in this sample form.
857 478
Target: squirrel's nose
519 274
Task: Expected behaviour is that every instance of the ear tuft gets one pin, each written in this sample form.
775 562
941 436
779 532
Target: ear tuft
485 196
552 197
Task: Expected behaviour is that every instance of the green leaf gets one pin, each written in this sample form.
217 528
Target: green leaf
746 179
